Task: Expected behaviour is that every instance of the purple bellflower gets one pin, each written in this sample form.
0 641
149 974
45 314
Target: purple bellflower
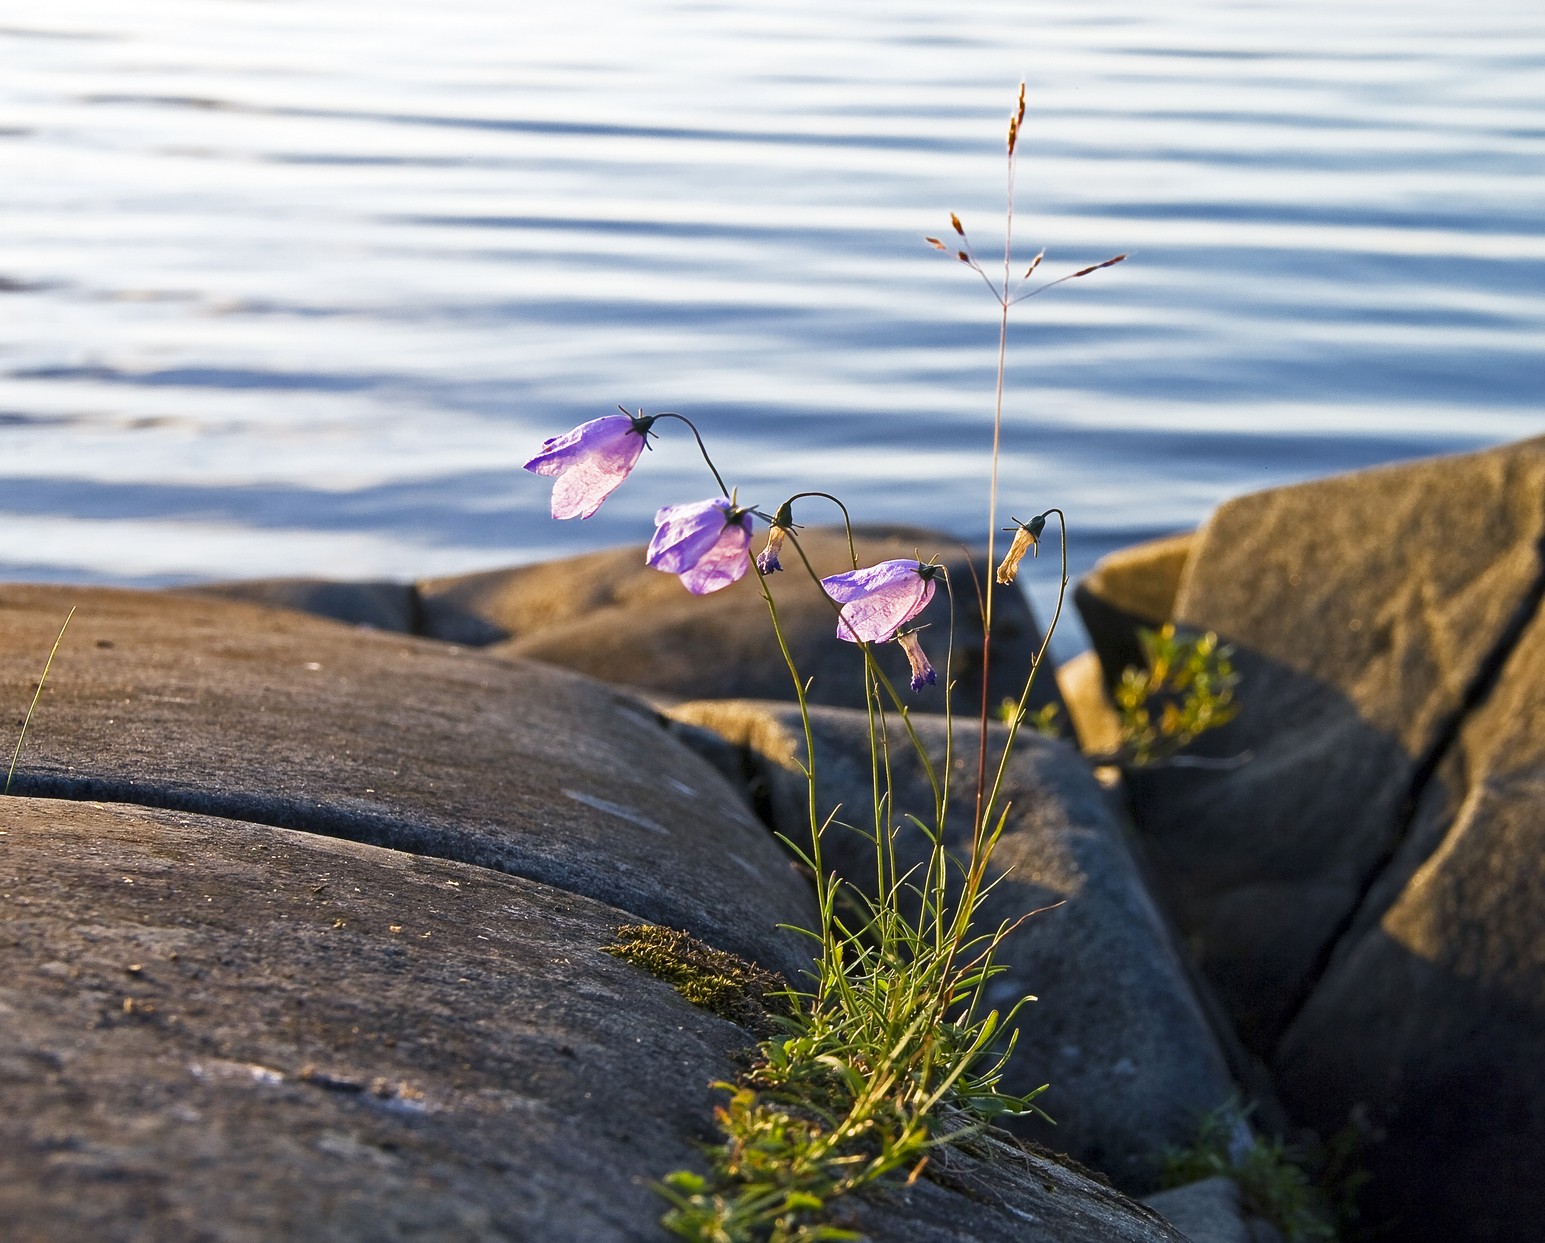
881 599
704 542
590 461
922 672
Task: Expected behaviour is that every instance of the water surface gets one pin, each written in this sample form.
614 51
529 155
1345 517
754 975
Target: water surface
294 288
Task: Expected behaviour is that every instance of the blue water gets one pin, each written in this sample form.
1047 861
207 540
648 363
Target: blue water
295 287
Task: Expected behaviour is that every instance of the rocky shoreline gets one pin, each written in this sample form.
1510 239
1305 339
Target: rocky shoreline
306 884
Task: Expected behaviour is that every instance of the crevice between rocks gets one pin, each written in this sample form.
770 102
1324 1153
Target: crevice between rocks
418 613
1360 914
302 816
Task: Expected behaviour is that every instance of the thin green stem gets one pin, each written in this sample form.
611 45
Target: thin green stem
880 676
38 694
1004 302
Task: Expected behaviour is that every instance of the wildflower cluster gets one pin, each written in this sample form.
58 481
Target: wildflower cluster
707 543
893 1048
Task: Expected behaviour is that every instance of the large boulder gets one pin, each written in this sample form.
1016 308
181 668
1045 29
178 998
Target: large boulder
225 1032
1092 713
271 716
379 604
609 615
1118 1031
1430 1021
1366 611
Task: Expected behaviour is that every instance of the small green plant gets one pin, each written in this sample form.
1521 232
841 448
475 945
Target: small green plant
1044 721
720 982
1342 1174
1186 690
1271 1175
37 695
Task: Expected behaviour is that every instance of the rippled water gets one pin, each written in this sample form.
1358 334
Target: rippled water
294 287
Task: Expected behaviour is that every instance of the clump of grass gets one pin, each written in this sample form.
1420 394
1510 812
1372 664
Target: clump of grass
889 1060
1186 689
1272 1176
719 982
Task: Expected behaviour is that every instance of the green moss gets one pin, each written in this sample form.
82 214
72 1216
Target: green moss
719 982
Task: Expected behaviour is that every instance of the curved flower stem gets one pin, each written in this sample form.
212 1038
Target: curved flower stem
938 864
702 448
983 840
847 521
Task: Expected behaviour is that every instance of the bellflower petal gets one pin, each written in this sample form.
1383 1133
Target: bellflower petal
922 672
704 542
590 461
880 599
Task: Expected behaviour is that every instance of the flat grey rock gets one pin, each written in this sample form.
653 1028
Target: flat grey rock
1004 1194
1208 1211
609 615
257 714
1213 1211
1118 1030
229 1033
224 1031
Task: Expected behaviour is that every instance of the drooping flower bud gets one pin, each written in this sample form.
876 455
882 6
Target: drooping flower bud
922 672
1027 536
782 523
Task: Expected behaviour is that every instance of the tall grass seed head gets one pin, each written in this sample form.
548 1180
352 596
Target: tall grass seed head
589 462
879 600
704 542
